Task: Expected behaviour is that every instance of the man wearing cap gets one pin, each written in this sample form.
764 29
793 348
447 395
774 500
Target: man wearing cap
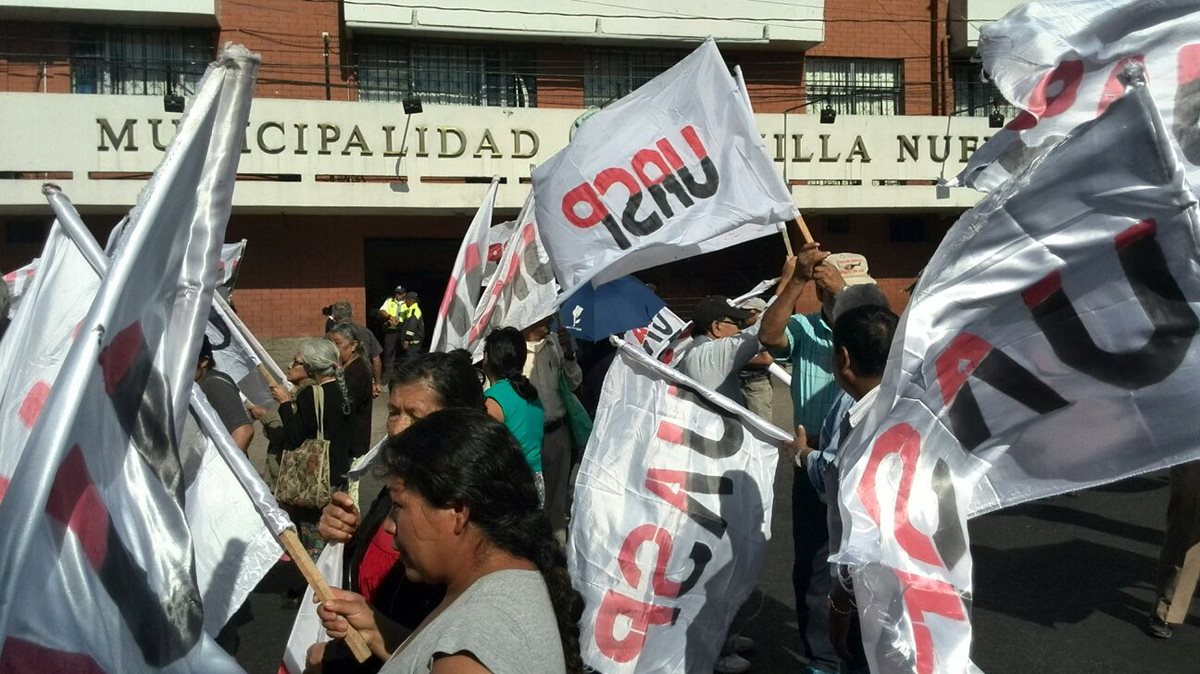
412 325
720 346
392 314
806 340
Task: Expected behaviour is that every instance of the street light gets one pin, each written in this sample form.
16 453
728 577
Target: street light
828 115
412 106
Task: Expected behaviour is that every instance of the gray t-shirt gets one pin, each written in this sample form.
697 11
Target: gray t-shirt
504 620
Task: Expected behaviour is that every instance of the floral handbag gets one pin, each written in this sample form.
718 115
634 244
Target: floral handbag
304 471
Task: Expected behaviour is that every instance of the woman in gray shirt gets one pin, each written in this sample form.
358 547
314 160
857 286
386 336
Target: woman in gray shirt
467 515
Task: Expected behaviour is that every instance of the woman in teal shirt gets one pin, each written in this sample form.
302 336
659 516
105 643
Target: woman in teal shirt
512 399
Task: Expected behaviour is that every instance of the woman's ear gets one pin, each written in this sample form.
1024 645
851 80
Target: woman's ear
462 515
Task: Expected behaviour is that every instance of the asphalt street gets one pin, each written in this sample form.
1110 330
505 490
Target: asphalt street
1061 585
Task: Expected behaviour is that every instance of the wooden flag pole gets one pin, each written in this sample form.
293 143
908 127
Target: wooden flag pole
266 375
803 229
291 543
787 240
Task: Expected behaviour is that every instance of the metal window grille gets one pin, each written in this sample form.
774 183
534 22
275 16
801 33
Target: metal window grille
151 61
611 74
854 86
975 97
447 74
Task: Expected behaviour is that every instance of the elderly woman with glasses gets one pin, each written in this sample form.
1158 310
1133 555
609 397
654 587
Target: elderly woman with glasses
272 425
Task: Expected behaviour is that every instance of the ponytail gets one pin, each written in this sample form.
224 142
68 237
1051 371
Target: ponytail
522 385
340 375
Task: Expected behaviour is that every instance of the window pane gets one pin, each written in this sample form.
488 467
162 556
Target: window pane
448 74
157 61
854 86
973 96
610 74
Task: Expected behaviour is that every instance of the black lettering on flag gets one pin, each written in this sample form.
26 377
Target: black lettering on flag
673 486
1175 324
142 400
971 356
165 629
727 445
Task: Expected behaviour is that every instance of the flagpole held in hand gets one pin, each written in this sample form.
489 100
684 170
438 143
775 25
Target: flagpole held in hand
275 519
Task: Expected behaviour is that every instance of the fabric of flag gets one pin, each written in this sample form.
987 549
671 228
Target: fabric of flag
675 169
1051 345
18 280
227 267
92 529
667 541
465 285
235 354
665 338
37 341
1064 62
307 630
523 289
498 235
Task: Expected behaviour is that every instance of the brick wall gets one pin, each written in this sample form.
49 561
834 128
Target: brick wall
893 29
34 57
287 33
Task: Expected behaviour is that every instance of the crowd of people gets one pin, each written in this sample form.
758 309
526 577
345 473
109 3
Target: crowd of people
458 564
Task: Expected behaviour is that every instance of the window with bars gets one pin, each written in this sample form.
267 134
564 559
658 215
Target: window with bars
854 86
610 74
449 74
131 60
974 96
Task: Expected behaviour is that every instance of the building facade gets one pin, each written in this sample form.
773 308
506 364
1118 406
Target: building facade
342 194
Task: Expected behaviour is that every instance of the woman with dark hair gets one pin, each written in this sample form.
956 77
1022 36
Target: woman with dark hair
512 399
466 514
372 566
359 382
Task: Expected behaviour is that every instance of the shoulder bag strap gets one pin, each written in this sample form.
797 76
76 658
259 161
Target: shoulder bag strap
319 402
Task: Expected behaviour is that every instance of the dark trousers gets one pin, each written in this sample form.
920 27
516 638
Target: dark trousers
392 352
810 572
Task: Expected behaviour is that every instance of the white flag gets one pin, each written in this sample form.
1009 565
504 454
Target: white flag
522 291
464 288
1051 345
675 169
665 338
92 528
227 267
667 541
498 235
18 280
37 342
1063 63
238 354
307 630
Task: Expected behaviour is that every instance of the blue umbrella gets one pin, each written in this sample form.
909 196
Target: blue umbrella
594 313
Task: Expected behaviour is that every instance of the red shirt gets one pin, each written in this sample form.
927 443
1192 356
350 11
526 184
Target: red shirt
378 560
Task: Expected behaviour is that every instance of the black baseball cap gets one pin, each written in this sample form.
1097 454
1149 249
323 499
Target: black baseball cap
716 308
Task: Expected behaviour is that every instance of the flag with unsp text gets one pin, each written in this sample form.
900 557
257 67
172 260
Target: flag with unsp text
1052 344
675 169
464 288
667 541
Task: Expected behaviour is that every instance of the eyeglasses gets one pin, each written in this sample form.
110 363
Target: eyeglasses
297 362
734 323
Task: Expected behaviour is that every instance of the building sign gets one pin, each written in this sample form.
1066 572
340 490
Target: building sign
302 155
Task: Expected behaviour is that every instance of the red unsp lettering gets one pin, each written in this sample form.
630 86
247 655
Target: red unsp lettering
627 559
1189 64
641 616
924 596
958 361
448 298
904 441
